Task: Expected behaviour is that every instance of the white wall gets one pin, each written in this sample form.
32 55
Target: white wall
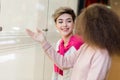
20 57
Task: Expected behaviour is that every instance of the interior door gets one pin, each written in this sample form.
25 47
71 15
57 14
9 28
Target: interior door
20 57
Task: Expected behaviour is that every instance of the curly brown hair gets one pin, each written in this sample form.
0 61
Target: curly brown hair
100 27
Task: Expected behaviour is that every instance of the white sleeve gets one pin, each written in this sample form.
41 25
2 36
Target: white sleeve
61 61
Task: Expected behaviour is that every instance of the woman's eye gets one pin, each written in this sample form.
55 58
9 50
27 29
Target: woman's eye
69 21
60 22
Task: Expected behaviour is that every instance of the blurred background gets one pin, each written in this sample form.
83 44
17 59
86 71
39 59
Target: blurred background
20 57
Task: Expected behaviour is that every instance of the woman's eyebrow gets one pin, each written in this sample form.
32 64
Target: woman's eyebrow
69 18
60 19
66 19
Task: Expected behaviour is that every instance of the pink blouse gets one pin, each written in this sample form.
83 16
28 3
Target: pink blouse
87 63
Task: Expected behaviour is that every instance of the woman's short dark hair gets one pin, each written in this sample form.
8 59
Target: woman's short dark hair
63 10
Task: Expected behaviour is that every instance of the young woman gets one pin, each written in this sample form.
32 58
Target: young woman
100 29
64 18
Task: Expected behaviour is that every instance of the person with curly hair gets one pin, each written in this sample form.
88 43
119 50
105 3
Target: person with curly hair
100 30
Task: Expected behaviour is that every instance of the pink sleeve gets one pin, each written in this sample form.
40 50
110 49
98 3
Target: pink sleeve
61 61
99 66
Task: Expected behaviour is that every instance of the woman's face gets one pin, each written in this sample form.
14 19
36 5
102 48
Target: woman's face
65 25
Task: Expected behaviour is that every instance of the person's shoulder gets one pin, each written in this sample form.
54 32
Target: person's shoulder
102 52
94 51
59 41
57 44
98 52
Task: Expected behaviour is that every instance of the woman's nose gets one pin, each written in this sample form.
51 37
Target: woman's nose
64 24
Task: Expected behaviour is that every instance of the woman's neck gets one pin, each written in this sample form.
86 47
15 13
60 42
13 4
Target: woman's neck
66 39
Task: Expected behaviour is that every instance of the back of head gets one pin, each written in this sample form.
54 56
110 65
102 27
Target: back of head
63 10
100 27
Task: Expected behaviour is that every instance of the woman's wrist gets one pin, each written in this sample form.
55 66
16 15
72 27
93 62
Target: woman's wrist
45 45
43 42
